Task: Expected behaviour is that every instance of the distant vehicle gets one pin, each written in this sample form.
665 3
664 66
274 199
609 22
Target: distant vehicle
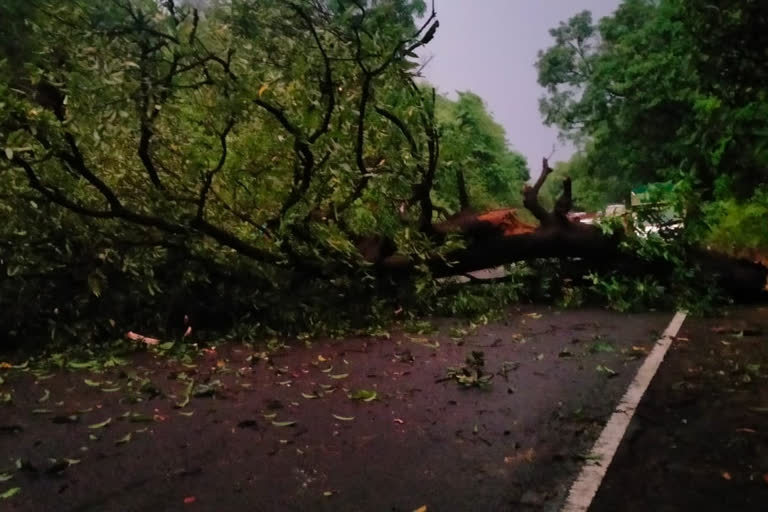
650 213
612 210
582 217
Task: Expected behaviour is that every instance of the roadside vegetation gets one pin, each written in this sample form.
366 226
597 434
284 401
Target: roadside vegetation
262 168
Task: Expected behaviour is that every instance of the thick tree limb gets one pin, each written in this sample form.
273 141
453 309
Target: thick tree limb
531 196
428 180
304 154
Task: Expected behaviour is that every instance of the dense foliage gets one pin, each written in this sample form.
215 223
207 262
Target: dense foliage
252 163
160 159
475 145
674 91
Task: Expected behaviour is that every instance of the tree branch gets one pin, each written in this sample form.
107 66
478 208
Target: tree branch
359 188
208 177
403 129
279 114
531 196
116 211
229 240
77 162
55 196
433 145
565 202
327 87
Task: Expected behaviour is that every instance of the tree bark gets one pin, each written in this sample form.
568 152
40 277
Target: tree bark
498 237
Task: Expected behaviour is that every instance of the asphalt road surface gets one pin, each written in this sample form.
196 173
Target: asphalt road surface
422 440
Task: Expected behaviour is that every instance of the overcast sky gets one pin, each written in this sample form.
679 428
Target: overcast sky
489 47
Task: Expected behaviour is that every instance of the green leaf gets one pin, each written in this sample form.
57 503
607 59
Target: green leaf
343 418
10 493
92 383
81 365
9 153
206 390
604 369
4 477
363 394
123 440
168 345
110 390
310 397
183 403
339 376
283 423
94 283
101 424
187 393
186 413
602 347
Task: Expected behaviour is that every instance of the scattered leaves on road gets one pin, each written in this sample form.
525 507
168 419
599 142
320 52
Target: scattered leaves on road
101 424
604 369
364 395
13 491
123 440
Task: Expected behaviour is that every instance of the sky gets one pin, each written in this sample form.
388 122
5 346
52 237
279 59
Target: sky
489 47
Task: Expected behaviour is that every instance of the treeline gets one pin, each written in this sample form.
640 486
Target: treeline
668 91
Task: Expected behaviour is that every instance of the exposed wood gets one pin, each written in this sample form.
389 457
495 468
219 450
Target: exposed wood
499 237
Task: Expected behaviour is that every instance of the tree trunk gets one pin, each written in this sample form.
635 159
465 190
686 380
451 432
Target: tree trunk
498 237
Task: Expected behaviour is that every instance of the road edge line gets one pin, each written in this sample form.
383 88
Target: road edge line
593 471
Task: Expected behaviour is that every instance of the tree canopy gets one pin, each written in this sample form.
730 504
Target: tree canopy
279 163
154 147
666 90
476 146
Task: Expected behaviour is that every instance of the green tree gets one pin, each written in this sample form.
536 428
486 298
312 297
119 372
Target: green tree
261 137
476 146
665 90
590 194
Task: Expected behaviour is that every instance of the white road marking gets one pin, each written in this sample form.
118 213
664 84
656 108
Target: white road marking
592 473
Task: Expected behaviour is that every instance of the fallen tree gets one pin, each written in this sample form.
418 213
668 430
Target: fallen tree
498 238
273 148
